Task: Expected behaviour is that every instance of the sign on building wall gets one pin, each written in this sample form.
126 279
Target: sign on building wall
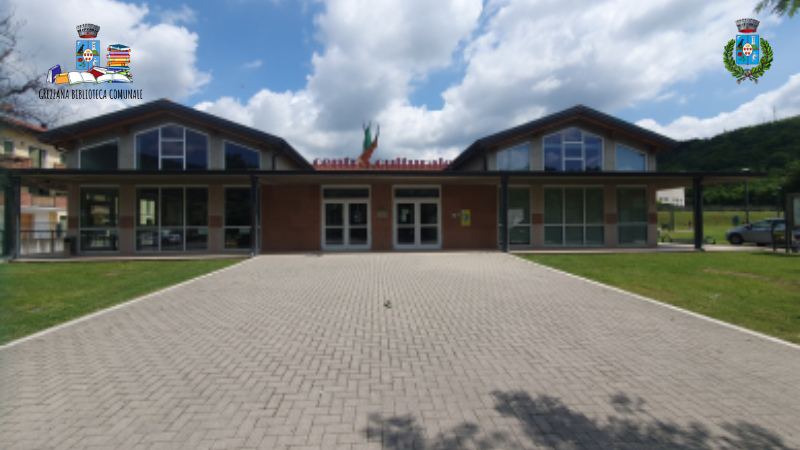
466 218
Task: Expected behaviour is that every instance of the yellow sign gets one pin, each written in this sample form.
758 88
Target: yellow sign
465 218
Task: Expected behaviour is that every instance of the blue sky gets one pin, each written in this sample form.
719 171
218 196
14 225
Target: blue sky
436 75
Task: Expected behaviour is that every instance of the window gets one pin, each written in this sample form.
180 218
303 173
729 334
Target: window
38 157
99 214
573 150
241 158
62 158
632 216
8 147
171 219
237 218
630 160
519 214
574 216
99 157
171 147
516 158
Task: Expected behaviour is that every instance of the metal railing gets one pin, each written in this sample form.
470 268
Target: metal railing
41 241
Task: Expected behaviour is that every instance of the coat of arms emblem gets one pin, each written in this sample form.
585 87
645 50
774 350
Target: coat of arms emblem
749 51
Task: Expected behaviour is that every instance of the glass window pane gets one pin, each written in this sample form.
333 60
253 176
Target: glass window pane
520 235
237 207
573 166
593 162
171 163
517 158
147 150
553 139
147 207
553 236
196 239
519 198
334 236
595 209
334 214
552 158
632 234
147 240
553 206
573 205
503 160
345 193
416 193
357 213
630 160
358 236
171 132
172 207
240 158
428 213
405 214
170 148
99 207
197 207
36 161
172 239
8 147
196 151
632 205
405 235
573 235
428 235
573 151
595 235
101 157
99 240
572 135
237 238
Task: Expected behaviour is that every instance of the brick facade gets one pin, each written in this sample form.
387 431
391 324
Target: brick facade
481 200
291 218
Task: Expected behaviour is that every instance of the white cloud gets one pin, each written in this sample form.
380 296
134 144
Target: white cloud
173 16
49 36
785 100
253 64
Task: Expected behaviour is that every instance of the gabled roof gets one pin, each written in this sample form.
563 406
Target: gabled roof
614 125
21 124
120 119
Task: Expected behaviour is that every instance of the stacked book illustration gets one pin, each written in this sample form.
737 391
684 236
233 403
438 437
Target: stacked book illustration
119 61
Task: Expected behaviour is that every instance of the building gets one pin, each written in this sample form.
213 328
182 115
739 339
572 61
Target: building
675 197
164 178
43 211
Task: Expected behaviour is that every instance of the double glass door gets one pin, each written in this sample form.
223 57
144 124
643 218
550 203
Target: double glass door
417 224
346 225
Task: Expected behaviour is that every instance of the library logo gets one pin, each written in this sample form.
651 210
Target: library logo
750 51
89 68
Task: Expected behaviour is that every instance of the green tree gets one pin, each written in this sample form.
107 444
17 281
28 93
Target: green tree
779 7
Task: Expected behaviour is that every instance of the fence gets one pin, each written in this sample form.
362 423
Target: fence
41 241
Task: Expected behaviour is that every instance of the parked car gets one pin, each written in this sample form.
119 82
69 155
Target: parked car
758 232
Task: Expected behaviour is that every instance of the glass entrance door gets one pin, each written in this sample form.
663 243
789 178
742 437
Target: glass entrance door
346 225
417 224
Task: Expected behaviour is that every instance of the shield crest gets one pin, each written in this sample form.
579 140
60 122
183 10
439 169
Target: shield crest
87 54
747 49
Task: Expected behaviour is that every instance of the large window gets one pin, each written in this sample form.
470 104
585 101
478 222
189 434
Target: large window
519 215
574 216
632 216
573 150
171 147
99 226
516 158
630 160
241 158
237 218
99 157
38 157
171 219
8 147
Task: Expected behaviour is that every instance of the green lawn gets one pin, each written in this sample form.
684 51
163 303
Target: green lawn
715 223
758 290
36 296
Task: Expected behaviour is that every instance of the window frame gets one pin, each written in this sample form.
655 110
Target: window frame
647 214
417 222
237 227
527 146
530 212
81 150
80 214
564 223
160 225
617 145
160 157
8 141
258 152
583 150
346 245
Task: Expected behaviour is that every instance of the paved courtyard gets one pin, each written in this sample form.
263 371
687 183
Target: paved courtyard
479 350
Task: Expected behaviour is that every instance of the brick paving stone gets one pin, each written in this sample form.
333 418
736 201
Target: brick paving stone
480 350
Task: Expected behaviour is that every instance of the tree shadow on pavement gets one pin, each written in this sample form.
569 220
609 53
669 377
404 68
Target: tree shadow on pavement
546 422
